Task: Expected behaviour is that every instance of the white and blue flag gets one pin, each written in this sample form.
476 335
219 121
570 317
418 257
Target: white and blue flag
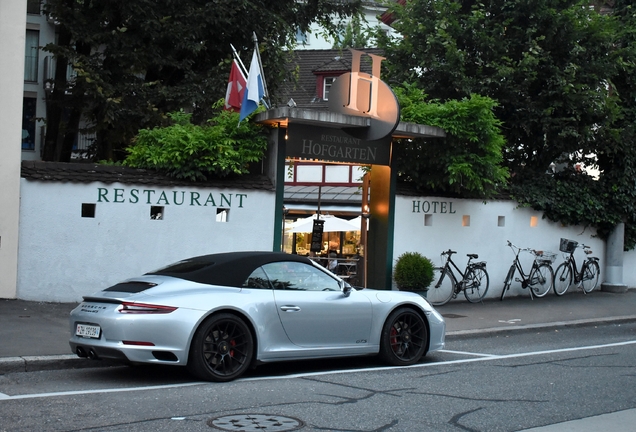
254 91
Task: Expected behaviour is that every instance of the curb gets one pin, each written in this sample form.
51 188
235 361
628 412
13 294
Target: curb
47 363
580 322
71 361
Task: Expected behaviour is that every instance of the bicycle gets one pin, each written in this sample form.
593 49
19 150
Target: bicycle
566 273
474 281
540 277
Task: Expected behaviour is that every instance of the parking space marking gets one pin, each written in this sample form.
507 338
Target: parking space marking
4 397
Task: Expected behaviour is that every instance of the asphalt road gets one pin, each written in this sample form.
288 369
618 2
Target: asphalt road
507 381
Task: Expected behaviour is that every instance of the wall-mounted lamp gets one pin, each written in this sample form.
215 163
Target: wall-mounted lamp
365 211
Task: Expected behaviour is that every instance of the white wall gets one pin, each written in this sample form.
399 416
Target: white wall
64 256
12 35
491 225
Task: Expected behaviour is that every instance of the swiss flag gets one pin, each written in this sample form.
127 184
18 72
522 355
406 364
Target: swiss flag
235 88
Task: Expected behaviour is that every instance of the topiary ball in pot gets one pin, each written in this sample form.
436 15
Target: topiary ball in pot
413 272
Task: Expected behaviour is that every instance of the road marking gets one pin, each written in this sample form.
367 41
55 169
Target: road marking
467 353
114 390
510 321
483 357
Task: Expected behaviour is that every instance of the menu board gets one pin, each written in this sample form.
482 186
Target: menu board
316 235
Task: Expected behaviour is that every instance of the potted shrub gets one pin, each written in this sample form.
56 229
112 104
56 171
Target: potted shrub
413 272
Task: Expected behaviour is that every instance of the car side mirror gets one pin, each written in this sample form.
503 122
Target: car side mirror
346 289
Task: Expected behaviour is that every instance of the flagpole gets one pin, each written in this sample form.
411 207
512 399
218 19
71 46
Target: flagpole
238 59
260 65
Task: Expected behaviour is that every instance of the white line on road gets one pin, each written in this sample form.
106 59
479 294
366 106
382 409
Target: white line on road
467 353
4 397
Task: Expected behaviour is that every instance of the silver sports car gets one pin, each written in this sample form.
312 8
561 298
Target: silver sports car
220 314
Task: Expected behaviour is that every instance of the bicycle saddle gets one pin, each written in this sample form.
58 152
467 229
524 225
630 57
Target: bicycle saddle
473 256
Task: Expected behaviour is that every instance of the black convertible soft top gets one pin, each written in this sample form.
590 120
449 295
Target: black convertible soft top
226 269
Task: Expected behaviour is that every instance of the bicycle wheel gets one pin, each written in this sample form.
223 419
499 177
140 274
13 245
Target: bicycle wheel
476 285
562 278
591 272
508 280
541 279
441 293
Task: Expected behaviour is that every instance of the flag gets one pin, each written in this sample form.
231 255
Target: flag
235 88
255 89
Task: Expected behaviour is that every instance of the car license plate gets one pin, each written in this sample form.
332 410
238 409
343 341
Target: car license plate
89 331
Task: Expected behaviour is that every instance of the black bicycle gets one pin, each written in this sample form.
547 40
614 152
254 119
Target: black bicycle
566 273
539 279
474 281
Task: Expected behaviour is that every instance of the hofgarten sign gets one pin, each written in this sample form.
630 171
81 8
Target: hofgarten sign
329 144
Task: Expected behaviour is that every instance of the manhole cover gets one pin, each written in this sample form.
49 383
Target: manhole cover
453 316
255 422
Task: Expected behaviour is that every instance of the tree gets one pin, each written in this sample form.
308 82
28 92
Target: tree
544 63
136 60
562 76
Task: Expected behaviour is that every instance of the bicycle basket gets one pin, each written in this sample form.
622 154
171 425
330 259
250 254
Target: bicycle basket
547 257
567 245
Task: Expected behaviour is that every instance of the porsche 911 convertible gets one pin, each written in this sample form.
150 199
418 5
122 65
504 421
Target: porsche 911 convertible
220 314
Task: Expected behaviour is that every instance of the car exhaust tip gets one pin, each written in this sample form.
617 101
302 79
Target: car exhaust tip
92 354
81 352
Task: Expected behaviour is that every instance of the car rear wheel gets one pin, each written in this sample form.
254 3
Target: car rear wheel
404 338
222 348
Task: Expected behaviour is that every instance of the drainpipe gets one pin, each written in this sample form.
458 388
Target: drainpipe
614 261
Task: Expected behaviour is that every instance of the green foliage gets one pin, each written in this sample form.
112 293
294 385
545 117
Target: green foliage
193 152
468 161
545 63
564 79
413 272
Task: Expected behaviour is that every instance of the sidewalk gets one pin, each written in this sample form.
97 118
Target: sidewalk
34 335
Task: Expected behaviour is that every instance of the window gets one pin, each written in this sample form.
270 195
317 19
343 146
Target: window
327 87
28 123
33 7
222 214
302 37
88 210
31 48
156 212
295 276
258 279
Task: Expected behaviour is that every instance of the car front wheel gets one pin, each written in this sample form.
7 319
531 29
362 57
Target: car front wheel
222 348
404 338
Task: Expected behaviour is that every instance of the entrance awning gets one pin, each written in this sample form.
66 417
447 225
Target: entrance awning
282 116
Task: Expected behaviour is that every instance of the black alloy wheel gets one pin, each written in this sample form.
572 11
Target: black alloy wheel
404 338
222 348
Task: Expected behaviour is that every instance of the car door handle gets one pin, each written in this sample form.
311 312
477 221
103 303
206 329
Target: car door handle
290 308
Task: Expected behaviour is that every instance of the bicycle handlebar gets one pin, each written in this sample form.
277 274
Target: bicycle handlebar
534 251
449 252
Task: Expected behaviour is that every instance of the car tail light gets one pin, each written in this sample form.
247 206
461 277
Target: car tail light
138 343
142 308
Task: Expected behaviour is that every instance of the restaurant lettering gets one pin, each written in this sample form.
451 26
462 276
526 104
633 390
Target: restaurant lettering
151 196
433 207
